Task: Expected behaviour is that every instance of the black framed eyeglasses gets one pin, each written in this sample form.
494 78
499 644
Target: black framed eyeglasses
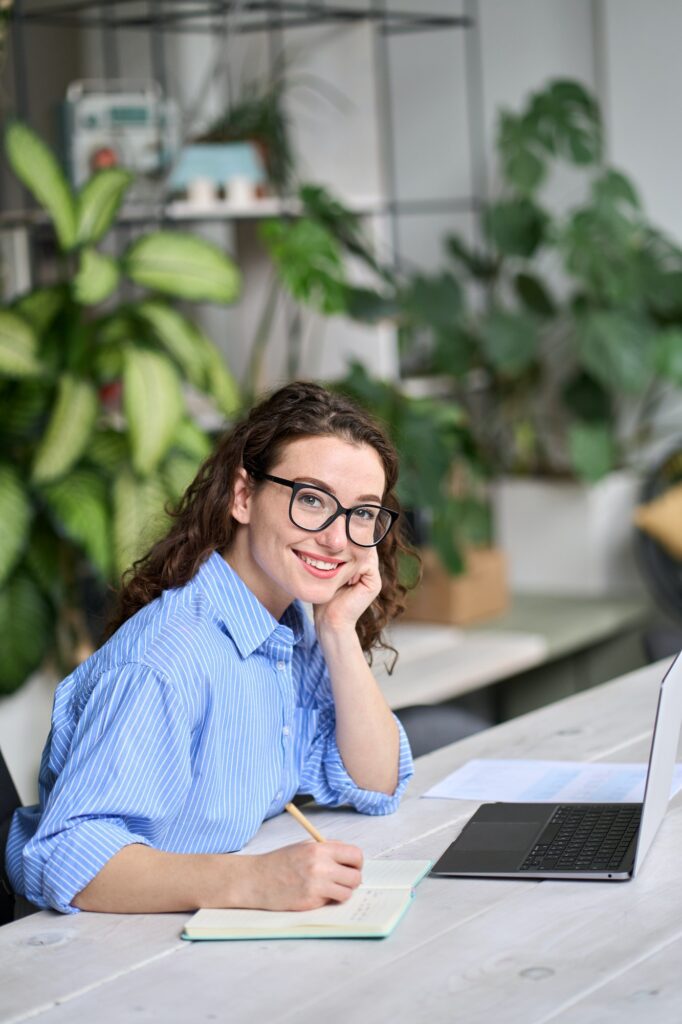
313 509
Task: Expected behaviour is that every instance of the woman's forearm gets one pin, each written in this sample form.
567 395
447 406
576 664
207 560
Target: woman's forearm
366 732
141 880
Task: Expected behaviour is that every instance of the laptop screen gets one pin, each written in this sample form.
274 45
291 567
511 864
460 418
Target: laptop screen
661 759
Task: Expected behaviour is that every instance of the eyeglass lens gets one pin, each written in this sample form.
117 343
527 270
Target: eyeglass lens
310 509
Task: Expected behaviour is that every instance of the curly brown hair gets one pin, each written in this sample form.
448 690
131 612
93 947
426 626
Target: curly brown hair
202 522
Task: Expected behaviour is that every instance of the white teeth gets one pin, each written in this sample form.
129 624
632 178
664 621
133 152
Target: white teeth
317 564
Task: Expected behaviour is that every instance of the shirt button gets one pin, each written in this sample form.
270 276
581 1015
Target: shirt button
279 794
286 730
281 665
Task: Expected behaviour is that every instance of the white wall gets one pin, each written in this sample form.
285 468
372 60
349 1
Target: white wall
643 84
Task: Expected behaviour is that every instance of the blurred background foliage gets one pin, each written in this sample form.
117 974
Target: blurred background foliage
96 435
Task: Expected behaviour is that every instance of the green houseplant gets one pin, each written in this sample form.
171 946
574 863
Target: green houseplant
562 332
443 493
95 433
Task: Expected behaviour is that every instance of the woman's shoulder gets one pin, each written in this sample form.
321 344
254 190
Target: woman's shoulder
175 635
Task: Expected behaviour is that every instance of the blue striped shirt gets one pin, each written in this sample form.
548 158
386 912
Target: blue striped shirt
200 718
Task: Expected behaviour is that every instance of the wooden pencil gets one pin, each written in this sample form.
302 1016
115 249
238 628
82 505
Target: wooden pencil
302 820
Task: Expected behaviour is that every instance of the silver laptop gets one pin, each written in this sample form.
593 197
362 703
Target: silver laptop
604 842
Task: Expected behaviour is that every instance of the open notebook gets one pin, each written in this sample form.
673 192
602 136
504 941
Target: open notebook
372 912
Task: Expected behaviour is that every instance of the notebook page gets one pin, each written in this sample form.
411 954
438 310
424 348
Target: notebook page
393 874
366 907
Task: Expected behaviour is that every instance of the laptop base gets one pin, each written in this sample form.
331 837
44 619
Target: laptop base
509 840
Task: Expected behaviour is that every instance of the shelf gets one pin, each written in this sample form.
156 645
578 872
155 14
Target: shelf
201 15
261 209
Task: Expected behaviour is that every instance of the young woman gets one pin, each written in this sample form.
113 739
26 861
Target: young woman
215 700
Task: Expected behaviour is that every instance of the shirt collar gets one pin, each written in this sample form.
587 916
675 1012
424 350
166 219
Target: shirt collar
238 609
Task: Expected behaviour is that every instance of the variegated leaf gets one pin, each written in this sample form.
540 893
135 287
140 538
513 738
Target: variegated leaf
153 405
80 505
15 517
183 266
18 347
139 516
68 430
37 168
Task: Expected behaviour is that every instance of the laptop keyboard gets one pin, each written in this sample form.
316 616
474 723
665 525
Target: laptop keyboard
585 838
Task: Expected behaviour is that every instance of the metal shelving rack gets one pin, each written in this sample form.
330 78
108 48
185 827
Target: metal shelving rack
273 17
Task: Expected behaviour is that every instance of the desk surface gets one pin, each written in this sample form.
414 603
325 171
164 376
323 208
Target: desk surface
438 663
468 950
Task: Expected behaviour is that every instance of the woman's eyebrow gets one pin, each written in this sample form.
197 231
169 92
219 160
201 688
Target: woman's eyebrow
327 487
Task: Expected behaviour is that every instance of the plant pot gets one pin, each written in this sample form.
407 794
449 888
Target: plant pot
564 537
25 717
478 593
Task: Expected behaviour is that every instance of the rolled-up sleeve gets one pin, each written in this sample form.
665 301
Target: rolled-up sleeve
325 777
324 774
125 777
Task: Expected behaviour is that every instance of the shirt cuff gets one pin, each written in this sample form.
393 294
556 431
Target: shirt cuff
78 856
368 801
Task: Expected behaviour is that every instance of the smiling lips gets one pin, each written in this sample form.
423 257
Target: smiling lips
322 568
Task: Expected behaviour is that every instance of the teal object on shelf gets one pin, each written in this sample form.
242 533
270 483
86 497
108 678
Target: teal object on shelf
217 162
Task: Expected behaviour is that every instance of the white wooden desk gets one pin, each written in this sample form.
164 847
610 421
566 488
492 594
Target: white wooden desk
542 648
467 950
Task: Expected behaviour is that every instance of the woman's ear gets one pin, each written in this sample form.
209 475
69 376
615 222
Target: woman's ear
241 499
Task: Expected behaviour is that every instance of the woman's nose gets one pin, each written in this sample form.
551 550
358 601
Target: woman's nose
334 535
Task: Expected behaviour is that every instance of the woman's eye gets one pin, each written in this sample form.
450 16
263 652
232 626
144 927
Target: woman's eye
309 500
367 515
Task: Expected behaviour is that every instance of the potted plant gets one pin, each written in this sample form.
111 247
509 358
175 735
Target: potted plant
442 482
561 335
96 433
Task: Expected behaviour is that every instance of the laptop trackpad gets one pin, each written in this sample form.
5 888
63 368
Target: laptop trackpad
510 836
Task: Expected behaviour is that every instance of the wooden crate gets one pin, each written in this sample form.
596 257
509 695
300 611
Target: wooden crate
480 592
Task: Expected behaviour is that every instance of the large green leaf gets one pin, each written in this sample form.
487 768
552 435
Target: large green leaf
68 431
26 627
41 306
96 279
515 227
670 354
180 337
444 536
612 188
534 294
433 301
309 262
139 516
191 439
182 266
98 203
592 449
24 407
79 505
618 349
510 341
220 383
18 347
369 306
153 405
455 351
37 169
521 154
43 559
565 119
587 398
108 450
15 516
177 473
477 263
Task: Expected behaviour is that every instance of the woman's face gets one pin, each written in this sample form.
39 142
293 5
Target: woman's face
279 561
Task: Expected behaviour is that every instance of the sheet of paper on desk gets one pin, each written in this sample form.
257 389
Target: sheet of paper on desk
517 781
